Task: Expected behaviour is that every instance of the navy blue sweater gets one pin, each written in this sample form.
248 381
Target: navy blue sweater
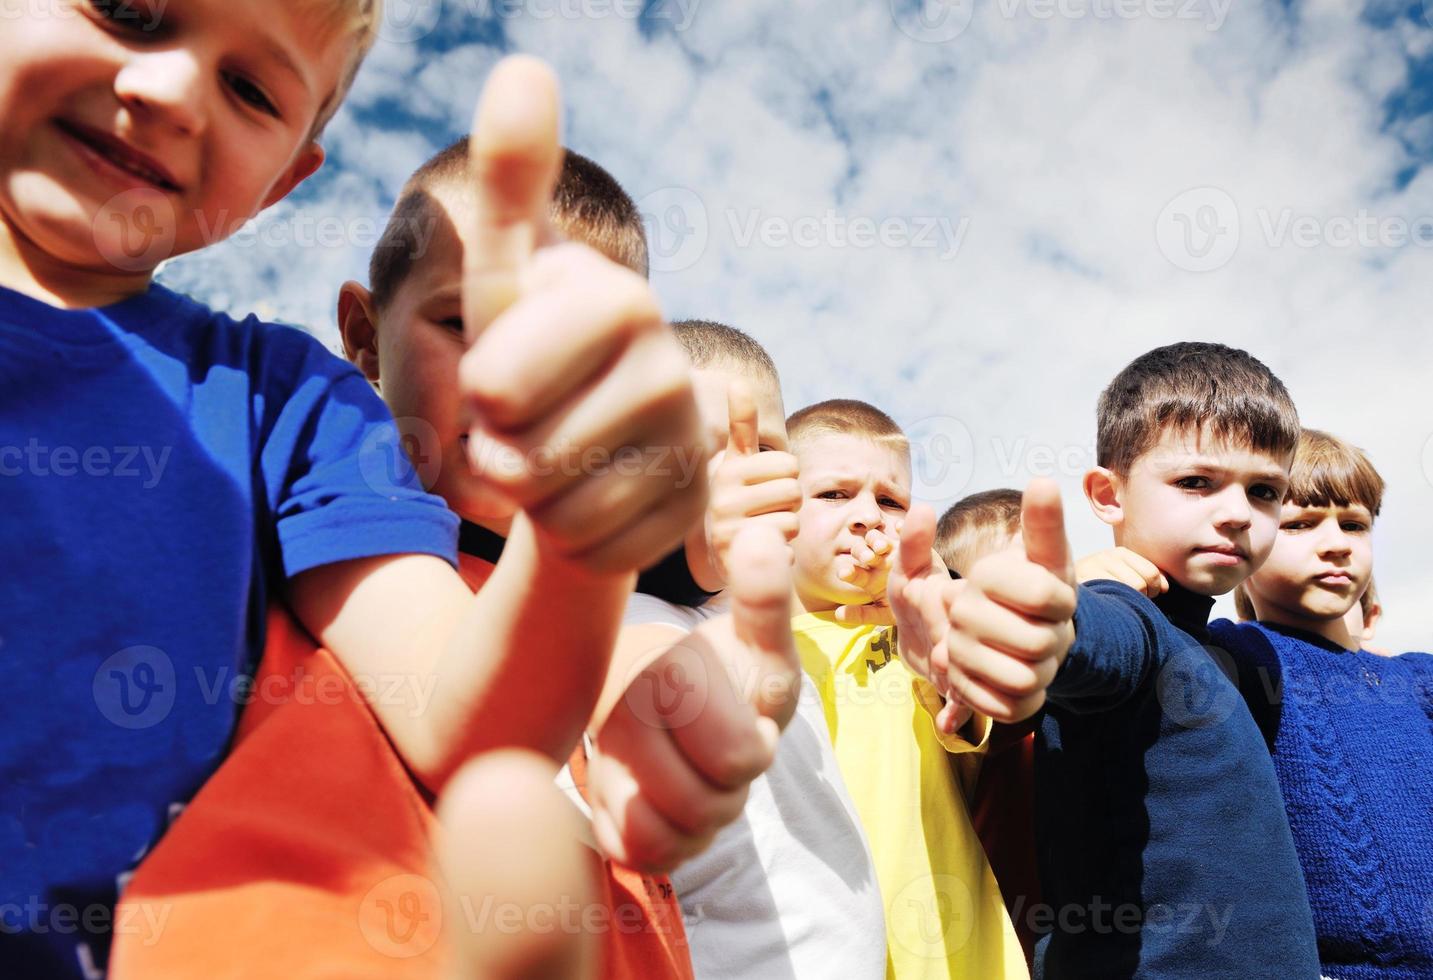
1161 836
1352 739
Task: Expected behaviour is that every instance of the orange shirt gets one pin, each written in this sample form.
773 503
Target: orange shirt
307 853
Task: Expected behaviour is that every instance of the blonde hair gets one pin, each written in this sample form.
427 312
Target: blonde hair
975 525
845 416
358 20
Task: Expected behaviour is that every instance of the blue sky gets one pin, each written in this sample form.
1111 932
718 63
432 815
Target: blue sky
970 213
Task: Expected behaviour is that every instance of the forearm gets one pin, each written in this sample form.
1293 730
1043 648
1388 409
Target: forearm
525 662
1116 644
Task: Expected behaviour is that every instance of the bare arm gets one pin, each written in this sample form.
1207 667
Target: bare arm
450 674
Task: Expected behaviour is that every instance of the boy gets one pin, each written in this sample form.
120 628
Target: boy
788 889
272 476
977 525
1348 729
1002 808
374 825
1161 834
909 780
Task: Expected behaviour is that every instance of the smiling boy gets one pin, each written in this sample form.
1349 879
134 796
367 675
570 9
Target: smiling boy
127 140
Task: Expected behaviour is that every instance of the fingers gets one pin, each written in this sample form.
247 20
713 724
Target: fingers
1152 580
1042 527
579 313
1005 578
514 158
917 539
742 439
870 614
872 549
653 765
629 829
761 619
509 834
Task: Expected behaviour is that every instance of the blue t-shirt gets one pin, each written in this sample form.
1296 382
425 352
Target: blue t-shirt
163 470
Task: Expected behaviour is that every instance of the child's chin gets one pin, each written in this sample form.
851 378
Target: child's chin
1210 583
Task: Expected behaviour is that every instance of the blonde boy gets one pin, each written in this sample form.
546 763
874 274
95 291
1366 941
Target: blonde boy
909 780
789 888
274 470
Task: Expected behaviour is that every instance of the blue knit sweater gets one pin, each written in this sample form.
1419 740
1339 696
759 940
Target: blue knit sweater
1163 846
1352 739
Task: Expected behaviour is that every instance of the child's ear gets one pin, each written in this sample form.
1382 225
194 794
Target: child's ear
310 158
1102 490
1370 621
359 328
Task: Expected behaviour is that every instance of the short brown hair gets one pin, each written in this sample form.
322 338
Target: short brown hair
588 206
845 416
1199 387
973 524
708 342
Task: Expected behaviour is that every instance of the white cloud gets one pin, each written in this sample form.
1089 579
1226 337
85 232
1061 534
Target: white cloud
1058 139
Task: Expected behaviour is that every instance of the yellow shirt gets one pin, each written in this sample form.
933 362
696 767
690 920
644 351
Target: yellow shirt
944 915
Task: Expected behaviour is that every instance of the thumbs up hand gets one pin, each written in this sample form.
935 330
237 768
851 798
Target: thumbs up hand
699 722
748 487
578 397
1012 622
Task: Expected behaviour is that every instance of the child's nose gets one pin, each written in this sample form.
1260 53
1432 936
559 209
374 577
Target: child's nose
866 514
1234 509
164 84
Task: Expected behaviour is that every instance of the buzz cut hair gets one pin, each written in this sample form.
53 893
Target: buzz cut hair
845 416
712 344
588 206
1198 388
975 525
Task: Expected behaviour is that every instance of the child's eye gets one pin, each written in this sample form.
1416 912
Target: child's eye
453 323
832 494
891 502
1192 483
1265 492
251 94
123 13
1293 525
1354 526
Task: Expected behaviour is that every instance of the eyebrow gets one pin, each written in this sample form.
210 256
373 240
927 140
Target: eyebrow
276 54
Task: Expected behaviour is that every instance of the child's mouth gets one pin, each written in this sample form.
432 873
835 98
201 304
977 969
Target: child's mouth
117 155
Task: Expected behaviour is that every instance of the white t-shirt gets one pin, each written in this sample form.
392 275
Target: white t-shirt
788 890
